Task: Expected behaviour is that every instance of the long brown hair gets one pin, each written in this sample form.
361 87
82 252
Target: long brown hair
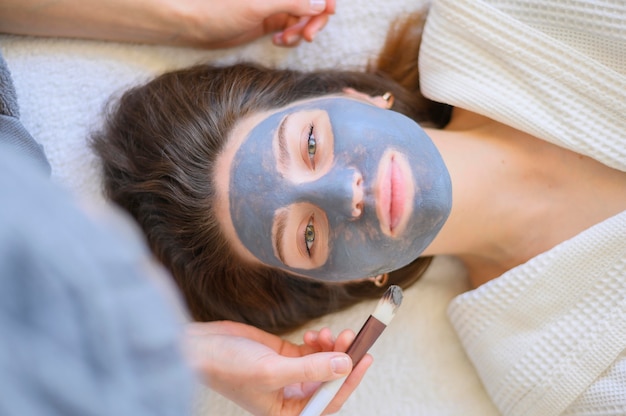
158 149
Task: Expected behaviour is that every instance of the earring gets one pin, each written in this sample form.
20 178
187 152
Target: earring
389 99
381 279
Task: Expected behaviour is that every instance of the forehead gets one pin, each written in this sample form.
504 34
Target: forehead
223 172
222 177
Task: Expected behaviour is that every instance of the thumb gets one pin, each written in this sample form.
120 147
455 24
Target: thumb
318 367
297 7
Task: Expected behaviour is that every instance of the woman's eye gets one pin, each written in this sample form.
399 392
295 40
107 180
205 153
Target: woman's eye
309 236
311 146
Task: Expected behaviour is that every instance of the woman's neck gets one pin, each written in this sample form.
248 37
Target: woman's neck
515 196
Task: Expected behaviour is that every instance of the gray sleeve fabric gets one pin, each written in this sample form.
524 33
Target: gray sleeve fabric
8 97
83 331
11 129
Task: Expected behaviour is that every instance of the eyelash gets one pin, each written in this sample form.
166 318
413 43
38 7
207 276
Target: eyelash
311 146
309 236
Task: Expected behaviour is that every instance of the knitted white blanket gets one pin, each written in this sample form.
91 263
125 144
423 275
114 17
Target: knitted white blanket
62 85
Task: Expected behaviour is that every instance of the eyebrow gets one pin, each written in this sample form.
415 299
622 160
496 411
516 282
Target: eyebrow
280 224
283 149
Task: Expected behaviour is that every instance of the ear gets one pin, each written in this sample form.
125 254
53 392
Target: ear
382 101
380 280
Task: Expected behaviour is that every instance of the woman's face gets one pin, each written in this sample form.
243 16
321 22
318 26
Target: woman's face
332 188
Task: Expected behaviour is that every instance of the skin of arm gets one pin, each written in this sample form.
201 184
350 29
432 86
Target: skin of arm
196 23
266 374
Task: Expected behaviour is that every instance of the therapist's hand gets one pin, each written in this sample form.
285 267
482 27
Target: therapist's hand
198 23
267 375
290 21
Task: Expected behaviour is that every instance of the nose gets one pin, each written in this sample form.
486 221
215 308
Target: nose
340 193
357 195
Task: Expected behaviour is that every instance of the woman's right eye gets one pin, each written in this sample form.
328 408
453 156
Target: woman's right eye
311 147
309 236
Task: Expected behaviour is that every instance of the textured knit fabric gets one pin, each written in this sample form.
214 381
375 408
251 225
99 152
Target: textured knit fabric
8 98
548 337
553 68
11 129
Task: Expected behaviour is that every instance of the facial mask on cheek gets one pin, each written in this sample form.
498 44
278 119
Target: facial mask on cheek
358 247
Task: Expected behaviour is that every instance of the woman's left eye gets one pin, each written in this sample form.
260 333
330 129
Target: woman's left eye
311 147
309 236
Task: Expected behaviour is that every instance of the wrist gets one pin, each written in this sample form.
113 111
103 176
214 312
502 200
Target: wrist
140 21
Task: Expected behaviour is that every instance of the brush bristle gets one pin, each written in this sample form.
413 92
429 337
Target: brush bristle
388 304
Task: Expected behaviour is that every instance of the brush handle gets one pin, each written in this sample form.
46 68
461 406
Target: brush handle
367 336
322 397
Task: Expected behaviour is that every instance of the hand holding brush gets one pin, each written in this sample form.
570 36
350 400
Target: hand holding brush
368 334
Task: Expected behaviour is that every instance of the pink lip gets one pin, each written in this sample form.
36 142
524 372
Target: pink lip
396 206
394 193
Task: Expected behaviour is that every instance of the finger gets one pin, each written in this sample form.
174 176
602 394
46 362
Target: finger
322 340
344 339
351 383
306 28
331 6
321 366
326 339
310 338
292 35
314 26
312 341
280 39
279 22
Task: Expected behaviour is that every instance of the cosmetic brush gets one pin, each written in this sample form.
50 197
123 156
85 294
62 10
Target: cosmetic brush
368 334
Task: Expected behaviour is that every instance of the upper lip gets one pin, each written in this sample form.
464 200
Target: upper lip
386 186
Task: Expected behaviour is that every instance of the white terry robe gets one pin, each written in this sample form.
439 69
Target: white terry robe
549 336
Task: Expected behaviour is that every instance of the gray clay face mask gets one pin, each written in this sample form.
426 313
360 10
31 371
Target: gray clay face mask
358 246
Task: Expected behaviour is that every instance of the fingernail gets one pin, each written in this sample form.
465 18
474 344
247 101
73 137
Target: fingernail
318 5
278 39
291 40
340 365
